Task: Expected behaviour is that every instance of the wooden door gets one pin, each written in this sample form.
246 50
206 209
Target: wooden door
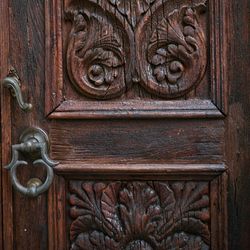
145 105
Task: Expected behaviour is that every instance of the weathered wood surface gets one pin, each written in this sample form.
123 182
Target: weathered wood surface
6 223
141 141
137 141
27 56
237 137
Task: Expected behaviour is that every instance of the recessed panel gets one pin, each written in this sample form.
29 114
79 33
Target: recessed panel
134 215
139 206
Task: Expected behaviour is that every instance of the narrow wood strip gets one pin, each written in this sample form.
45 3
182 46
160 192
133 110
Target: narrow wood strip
56 214
141 169
218 196
219 43
54 78
6 216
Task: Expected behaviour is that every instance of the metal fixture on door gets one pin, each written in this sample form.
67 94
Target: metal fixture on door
34 144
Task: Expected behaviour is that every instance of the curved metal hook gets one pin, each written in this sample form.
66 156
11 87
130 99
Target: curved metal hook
13 83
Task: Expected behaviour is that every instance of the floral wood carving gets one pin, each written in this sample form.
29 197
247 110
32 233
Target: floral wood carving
116 43
139 215
176 54
95 56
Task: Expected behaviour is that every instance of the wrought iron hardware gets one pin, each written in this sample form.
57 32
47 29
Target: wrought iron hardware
34 144
12 81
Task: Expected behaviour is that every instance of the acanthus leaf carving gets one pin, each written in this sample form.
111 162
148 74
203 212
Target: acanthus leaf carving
107 54
95 56
176 54
139 215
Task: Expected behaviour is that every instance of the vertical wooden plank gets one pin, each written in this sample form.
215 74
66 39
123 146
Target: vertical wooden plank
54 77
6 218
56 214
238 124
219 229
27 56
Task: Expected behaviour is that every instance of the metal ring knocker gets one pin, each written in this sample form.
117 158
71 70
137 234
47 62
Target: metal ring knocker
34 143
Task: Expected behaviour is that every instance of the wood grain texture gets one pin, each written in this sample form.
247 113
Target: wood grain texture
219 215
142 171
6 215
238 124
57 215
136 109
90 150
53 77
137 141
219 41
27 56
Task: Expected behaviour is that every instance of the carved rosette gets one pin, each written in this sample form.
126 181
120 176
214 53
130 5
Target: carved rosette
139 215
114 44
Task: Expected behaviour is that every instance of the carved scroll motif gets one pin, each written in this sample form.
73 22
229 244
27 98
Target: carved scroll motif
176 54
95 56
113 45
139 215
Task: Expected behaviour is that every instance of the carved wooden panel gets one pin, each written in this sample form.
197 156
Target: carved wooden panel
138 206
104 59
133 58
139 215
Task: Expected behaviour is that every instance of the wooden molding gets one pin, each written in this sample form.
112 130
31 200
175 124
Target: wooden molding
197 171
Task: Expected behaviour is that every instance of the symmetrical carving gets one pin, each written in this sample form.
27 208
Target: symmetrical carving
114 44
132 9
139 215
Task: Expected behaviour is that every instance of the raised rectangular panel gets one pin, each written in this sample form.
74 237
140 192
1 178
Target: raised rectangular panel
118 59
139 206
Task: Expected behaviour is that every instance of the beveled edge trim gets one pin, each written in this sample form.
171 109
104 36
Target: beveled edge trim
136 109
79 170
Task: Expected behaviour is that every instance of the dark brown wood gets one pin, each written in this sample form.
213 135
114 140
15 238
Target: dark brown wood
139 141
219 216
6 216
145 215
104 189
57 215
27 55
238 126
135 74
134 148
136 109
194 171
